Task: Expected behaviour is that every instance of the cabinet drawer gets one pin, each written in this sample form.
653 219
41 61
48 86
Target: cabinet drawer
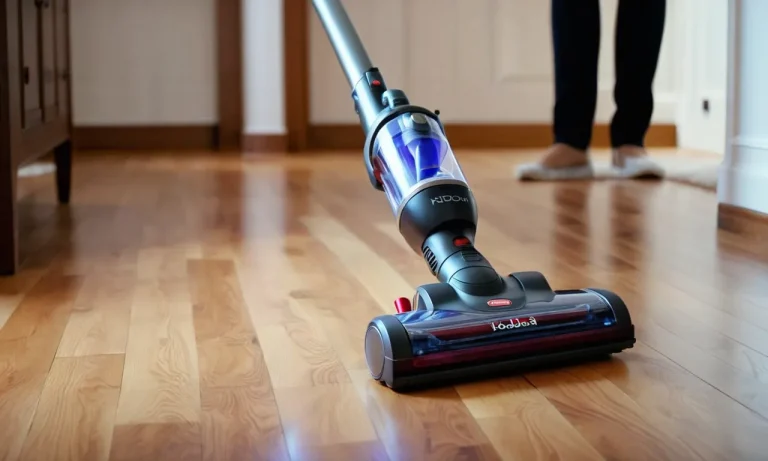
48 58
62 56
45 60
30 60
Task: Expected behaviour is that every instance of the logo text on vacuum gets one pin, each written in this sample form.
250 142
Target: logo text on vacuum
449 198
499 302
514 323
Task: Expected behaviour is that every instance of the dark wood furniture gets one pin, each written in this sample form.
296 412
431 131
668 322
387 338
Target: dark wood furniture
35 104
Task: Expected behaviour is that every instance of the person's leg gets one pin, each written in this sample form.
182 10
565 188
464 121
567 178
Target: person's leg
576 47
639 32
575 26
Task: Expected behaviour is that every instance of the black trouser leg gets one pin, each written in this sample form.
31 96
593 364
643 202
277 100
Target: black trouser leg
63 158
639 30
576 40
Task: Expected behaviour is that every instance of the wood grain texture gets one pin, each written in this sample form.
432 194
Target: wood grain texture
327 420
213 307
161 378
99 321
240 415
169 441
76 411
522 423
28 343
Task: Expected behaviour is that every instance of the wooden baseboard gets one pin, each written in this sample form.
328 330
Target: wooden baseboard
463 136
265 143
750 224
151 138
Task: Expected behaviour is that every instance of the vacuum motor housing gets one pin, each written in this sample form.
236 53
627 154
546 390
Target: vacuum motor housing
409 154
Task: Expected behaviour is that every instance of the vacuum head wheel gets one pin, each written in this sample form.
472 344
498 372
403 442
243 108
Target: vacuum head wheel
374 352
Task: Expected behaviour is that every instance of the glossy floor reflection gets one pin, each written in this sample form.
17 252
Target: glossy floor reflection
209 306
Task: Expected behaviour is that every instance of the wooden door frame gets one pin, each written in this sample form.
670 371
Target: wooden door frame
230 67
229 85
296 73
301 135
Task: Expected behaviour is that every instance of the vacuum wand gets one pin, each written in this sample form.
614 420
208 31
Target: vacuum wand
346 43
364 79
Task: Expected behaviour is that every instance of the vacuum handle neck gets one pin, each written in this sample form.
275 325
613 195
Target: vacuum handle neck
369 91
346 43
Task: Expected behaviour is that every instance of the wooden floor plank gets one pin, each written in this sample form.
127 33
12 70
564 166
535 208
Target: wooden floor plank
160 381
213 306
81 390
382 282
674 315
699 411
327 421
168 441
28 343
99 322
13 290
158 413
522 424
240 418
610 420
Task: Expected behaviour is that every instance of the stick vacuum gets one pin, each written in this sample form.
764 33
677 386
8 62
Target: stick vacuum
473 322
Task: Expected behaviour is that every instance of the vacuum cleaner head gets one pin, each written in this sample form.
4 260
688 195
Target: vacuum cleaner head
451 336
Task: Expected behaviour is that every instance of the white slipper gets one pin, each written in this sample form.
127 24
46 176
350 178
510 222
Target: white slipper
536 172
640 167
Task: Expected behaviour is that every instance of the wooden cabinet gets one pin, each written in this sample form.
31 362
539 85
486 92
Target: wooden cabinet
34 103
44 60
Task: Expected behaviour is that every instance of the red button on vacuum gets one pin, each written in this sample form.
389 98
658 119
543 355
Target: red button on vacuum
402 305
461 241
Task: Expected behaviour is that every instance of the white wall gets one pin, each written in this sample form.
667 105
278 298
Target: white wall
143 62
703 28
480 61
264 108
744 173
153 62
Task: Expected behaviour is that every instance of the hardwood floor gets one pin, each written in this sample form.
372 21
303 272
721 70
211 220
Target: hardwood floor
210 307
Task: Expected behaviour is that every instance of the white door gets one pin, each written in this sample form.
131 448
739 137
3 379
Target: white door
702 118
478 61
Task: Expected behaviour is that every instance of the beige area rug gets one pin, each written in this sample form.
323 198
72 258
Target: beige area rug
699 170
689 167
36 169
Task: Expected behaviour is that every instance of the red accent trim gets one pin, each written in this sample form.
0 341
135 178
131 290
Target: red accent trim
499 302
461 241
402 305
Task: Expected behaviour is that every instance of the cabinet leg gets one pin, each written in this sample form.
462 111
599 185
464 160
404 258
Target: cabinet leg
63 157
8 235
